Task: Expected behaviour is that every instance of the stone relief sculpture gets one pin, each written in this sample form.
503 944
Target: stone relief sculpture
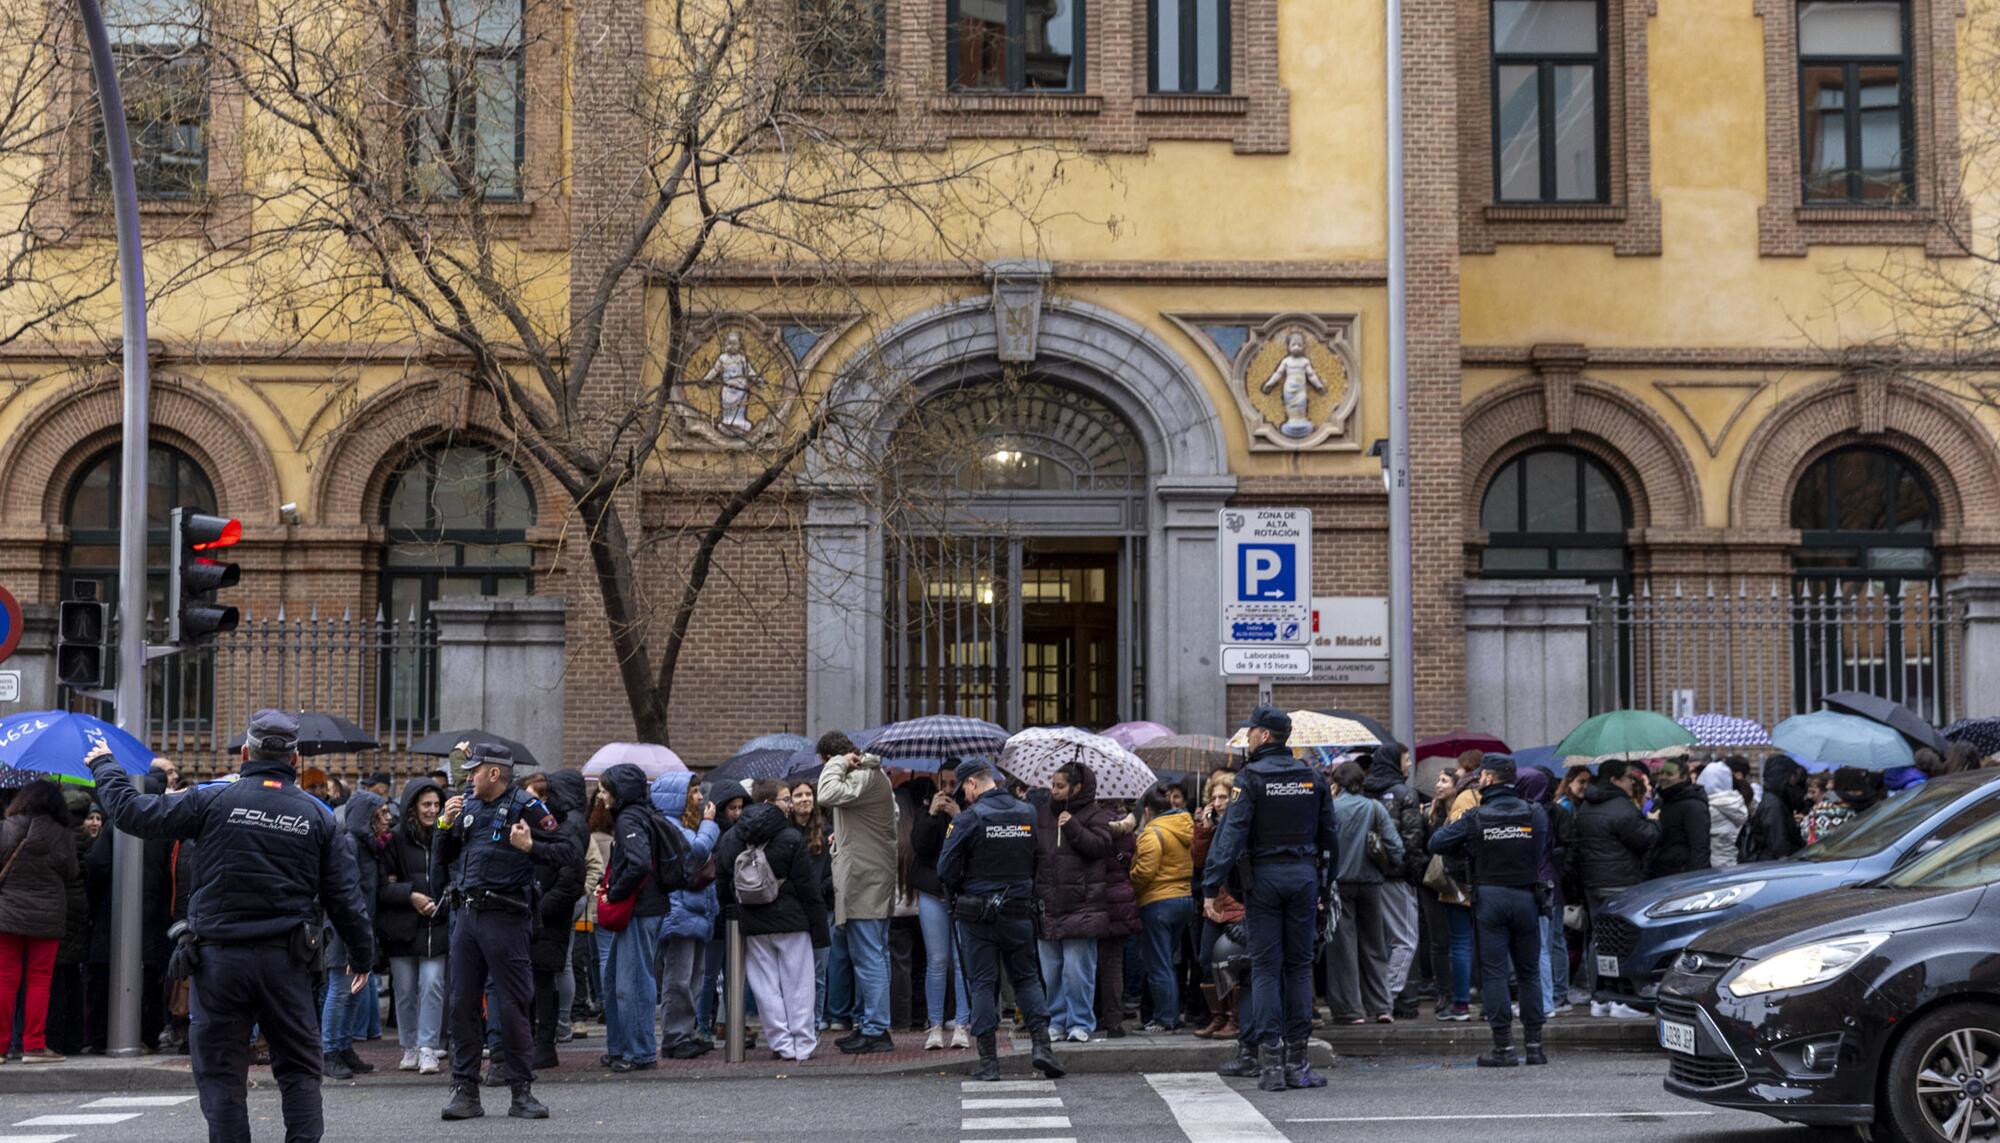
1295 369
1296 377
733 368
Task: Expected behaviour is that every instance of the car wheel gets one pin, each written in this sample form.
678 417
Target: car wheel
1943 1084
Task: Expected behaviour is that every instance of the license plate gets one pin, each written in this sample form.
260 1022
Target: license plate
1677 1037
1607 965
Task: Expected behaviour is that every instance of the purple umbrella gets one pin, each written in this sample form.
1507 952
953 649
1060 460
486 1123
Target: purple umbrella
651 759
1133 735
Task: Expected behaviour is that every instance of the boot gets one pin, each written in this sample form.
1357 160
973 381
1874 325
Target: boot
334 1066
1532 1049
1298 1068
1229 1029
1244 1066
1215 1013
355 1063
1270 1068
464 1102
525 1105
989 1059
1405 1007
545 1057
1044 1056
1502 1055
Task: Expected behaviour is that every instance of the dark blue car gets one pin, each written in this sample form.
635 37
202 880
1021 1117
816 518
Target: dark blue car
1639 933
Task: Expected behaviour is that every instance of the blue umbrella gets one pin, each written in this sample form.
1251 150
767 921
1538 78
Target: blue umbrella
785 742
1833 739
52 743
1542 756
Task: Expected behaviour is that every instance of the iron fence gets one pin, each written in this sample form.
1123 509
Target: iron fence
1766 650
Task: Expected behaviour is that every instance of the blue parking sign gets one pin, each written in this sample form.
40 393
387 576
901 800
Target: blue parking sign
1267 573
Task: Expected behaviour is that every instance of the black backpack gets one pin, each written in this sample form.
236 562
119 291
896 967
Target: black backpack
1750 842
670 855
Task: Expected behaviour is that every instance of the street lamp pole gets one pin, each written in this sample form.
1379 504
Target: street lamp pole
128 867
1402 623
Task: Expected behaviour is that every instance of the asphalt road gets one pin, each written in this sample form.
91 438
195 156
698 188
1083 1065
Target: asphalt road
1586 1099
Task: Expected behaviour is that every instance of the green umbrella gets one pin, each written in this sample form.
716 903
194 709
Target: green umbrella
1625 733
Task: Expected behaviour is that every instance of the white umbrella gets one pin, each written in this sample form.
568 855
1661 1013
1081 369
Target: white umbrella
653 759
1035 755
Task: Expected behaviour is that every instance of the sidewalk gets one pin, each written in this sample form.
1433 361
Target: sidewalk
1137 1052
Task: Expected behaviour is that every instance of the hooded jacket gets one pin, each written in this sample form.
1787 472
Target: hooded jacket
1537 786
1612 839
633 840
864 832
1163 867
1359 816
1774 827
406 869
1726 814
1385 784
34 898
559 886
1072 876
362 845
1684 832
76 922
798 907
693 912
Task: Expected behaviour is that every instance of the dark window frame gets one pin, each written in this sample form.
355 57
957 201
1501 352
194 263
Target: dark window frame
131 56
1545 64
1553 542
1897 465
1190 50
1851 68
1017 53
875 67
466 125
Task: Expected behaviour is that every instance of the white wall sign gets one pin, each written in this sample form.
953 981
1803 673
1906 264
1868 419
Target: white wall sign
1266 576
1350 627
10 686
1270 662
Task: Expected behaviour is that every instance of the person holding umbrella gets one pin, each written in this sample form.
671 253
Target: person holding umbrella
37 867
269 860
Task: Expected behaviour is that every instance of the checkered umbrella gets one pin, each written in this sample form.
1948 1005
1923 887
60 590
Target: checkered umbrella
1724 730
938 736
1035 755
1311 728
1982 734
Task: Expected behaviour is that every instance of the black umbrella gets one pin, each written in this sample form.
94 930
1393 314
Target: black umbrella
1891 714
441 744
325 734
752 765
1982 734
1375 728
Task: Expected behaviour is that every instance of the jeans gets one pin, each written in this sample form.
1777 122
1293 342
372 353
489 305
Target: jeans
336 1017
868 945
367 1023
565 995
1069 974
419 988
1459 918
631 991
1555 963
819 984
1164 923
940 960
839 991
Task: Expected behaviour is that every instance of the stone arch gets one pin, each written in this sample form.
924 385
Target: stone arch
46 453
353 469
1593 417
1912 417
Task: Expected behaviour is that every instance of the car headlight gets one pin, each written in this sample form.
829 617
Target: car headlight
1807 964
1706 901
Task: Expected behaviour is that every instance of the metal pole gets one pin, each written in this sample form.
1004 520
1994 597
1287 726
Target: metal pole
732 988
1402 623
128 869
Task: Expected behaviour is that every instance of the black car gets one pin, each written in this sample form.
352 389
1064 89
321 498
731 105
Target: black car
1876 1007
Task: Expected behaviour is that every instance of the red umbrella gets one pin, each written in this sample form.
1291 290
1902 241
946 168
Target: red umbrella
1458 742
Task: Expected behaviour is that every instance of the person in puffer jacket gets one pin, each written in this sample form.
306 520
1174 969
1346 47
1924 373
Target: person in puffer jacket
1727 812
691 920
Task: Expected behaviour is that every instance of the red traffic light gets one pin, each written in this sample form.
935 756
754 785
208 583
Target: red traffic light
208 532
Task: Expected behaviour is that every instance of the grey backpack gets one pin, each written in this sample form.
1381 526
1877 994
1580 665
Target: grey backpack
756 882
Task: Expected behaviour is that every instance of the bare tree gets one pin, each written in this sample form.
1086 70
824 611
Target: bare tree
763 171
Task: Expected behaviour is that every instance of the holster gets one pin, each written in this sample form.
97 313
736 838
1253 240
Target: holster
308 946
185 958
1544 899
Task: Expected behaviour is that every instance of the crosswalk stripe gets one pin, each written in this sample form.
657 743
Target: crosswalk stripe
93 1119
34 1138
1043 1139
1014 1123
138 1101
997 1104
1007 1085
1210 1111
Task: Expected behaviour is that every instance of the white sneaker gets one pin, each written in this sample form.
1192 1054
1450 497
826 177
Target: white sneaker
1600 1009
427 1061
409 1063
934 1039
1079 1036
1626 1012
961 1039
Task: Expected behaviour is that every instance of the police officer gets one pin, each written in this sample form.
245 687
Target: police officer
988 870
1280 817
267 858
494 833
1506 839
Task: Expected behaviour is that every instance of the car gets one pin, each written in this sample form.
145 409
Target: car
1875 1007
1637 935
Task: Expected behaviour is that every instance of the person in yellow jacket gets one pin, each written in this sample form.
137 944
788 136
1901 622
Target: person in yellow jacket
1163 878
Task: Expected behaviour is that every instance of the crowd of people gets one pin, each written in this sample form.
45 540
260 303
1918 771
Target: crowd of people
834 881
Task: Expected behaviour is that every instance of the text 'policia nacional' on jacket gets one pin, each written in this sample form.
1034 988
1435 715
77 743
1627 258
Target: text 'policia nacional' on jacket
1281 810
990 849
267 854
1506 838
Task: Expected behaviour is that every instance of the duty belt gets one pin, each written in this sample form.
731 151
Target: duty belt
488 900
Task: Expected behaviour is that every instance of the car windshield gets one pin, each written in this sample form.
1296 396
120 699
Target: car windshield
1967 861
1884 825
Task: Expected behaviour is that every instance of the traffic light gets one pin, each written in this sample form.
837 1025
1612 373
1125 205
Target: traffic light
83 644
194 576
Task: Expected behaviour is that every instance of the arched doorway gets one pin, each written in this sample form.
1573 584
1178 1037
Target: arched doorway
1016 556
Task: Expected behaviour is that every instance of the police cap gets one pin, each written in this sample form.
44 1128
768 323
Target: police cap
975 768
1272 719
1501 765
272 734
491 754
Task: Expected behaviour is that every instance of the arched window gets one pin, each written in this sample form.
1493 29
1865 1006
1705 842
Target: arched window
458 520
1029 436
1864 513
1554 511
90 511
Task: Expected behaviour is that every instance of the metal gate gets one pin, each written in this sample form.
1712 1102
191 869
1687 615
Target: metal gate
1766 650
